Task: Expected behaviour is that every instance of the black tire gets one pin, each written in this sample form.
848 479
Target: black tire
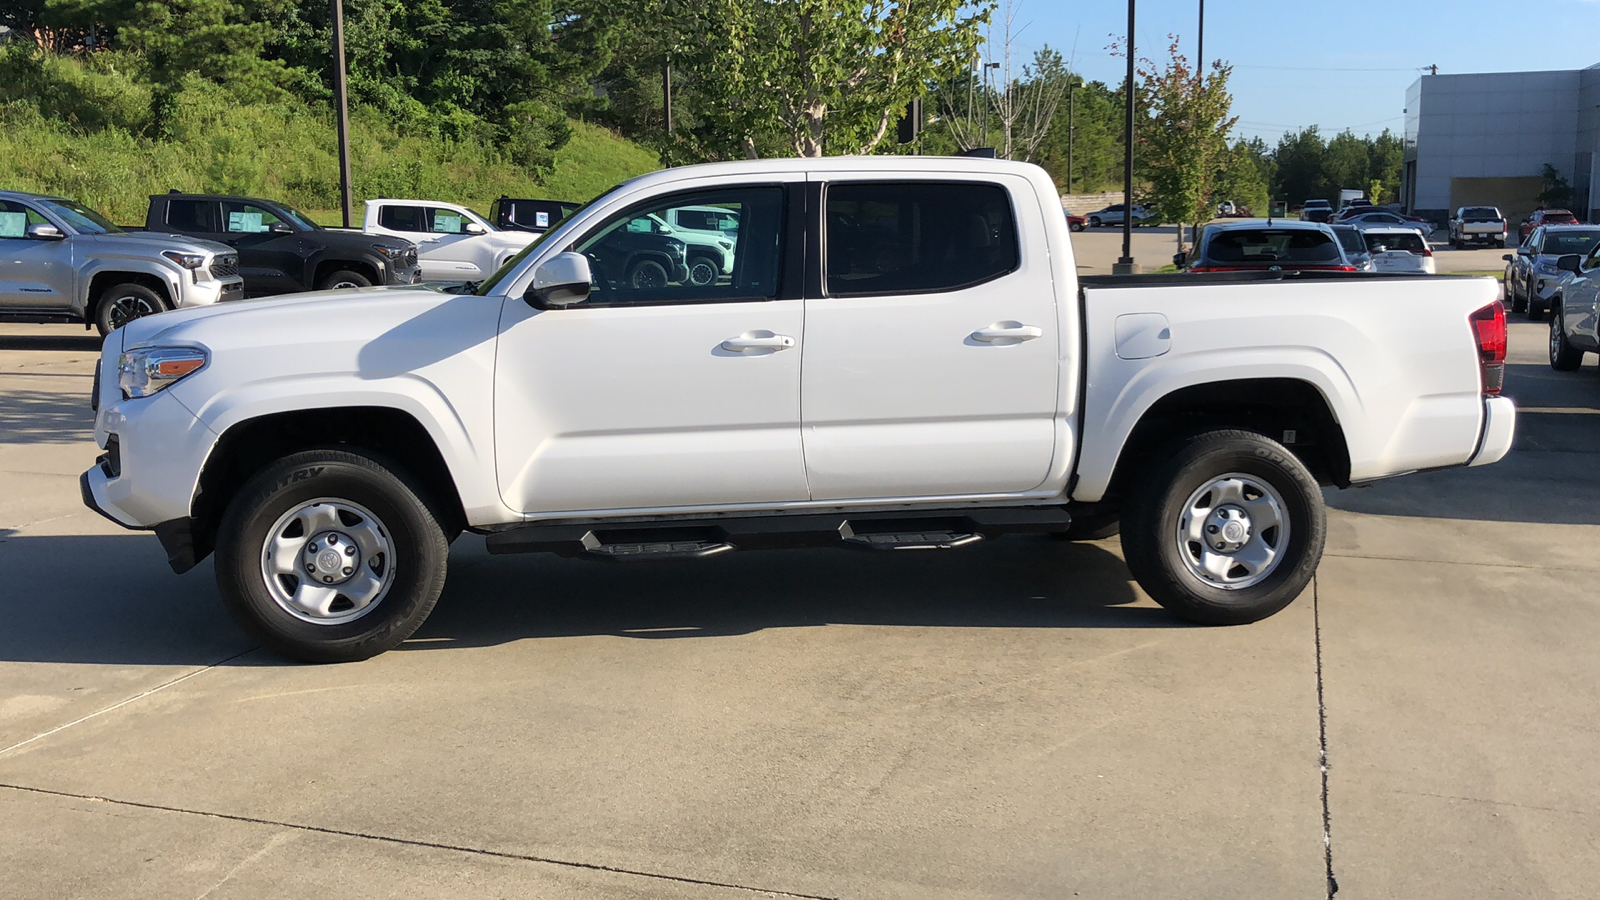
1518 304
647 275
703 271
1075 226
1094 222
1155 553
419 557
344 279
122 303
1563 356
1536 311
1500 244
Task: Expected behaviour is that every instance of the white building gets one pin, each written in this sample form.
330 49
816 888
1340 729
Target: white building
1485 139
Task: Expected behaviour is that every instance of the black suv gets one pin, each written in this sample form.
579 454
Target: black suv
529 215
281 251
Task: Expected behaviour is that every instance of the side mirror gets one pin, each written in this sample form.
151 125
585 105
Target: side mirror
1181 258
475 228
562 280
43 232
1507 256
280 228
1568 263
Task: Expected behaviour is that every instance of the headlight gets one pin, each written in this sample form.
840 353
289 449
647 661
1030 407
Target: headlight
148 370
391 252
726 245
1547 267
187 260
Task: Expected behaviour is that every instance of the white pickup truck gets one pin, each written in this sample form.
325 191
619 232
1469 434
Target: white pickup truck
454 244
902 358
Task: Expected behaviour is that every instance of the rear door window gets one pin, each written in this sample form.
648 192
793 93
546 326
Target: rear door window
402 218
192 215
916 238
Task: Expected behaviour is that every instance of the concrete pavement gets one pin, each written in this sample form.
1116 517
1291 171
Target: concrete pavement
1014 720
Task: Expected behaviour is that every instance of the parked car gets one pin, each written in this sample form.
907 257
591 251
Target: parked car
453 242
1350 212
1398 249
1316 211
281 251
1575 314
1349 197
1262 246
537 216
1546 217
1533 279
1384 219
1076 222
1113 215
709 234
1477 224
637 253
61 261
1354 247
1228 209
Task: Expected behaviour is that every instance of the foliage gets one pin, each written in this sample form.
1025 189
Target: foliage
1556 191
1182 134
816 76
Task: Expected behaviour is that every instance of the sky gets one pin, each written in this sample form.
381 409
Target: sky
1335 65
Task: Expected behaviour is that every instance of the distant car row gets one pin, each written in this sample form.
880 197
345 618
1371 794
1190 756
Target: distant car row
1309 247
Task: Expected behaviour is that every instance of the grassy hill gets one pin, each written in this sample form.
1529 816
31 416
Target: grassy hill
82 130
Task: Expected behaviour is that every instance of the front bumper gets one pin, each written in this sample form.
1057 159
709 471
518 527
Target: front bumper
1499 429
212 290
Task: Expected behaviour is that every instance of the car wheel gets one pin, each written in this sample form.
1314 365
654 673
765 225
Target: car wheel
647 275
1228 530
122 303
1563 356
344 280
1518 303
1500 244
1094 221
1536 310
330 556
1075 226
702 271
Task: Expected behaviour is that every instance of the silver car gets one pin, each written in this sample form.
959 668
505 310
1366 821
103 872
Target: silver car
63 262
1532 279
1354 246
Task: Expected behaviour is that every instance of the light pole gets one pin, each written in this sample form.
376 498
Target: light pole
1125 265
986 68
345 198
1200 44
1072 87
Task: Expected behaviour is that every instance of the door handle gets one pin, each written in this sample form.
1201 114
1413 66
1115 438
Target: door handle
758 341
1007 333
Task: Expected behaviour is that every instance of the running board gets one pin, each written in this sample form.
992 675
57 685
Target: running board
695 538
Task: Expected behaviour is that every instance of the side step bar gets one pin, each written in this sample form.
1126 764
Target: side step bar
694 538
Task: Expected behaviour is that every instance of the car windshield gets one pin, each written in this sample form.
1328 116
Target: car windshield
489 284
1560 243
1480 212
1408 242
297 217
82 219
1318 203
1350 239
1273 245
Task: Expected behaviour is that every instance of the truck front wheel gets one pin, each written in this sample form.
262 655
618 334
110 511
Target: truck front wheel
330 556
122 303
1228 530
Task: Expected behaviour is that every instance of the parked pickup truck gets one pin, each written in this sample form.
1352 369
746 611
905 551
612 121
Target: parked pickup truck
63 262
958 382
454 244
1477 224
538 216
281 251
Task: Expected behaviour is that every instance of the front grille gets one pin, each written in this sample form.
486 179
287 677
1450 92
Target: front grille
410 258
111 460
225 265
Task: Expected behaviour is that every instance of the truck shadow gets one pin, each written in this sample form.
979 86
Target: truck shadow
45 417
1548 477
127 608
87 343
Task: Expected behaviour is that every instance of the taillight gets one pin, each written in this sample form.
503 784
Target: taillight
1423 252
1489 328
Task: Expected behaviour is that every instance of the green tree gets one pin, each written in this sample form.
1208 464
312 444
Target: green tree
1345 166
816 76
1387 158
1556 190
1299 172
1183 135
1244 175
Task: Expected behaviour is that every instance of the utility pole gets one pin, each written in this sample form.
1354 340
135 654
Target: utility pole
340 92
1072 87
666 94
1200 45
1125 265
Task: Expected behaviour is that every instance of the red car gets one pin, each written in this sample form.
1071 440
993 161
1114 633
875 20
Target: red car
1077 223
1545 217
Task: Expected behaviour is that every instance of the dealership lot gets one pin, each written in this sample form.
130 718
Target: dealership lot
1013 720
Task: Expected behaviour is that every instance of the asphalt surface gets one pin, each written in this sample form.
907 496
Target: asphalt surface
1014 720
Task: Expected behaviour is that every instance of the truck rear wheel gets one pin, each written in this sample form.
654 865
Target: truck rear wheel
330 556
1229 529
122 303
343 280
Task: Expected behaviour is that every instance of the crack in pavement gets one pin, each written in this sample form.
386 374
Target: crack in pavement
1555 809
411 842
1454 562
1322 738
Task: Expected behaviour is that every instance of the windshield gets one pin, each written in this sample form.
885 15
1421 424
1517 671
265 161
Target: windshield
488 285
1480 212
1273 245
1560 243
1350 239
81 219
298 217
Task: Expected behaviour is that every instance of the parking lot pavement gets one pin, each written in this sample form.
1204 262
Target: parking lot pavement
1014 720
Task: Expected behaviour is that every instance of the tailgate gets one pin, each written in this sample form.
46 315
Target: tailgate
1394 357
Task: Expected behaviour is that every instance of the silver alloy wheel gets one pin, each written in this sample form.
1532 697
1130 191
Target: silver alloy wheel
1555 337
328 561
1233 531
346 286
126 309
702 273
